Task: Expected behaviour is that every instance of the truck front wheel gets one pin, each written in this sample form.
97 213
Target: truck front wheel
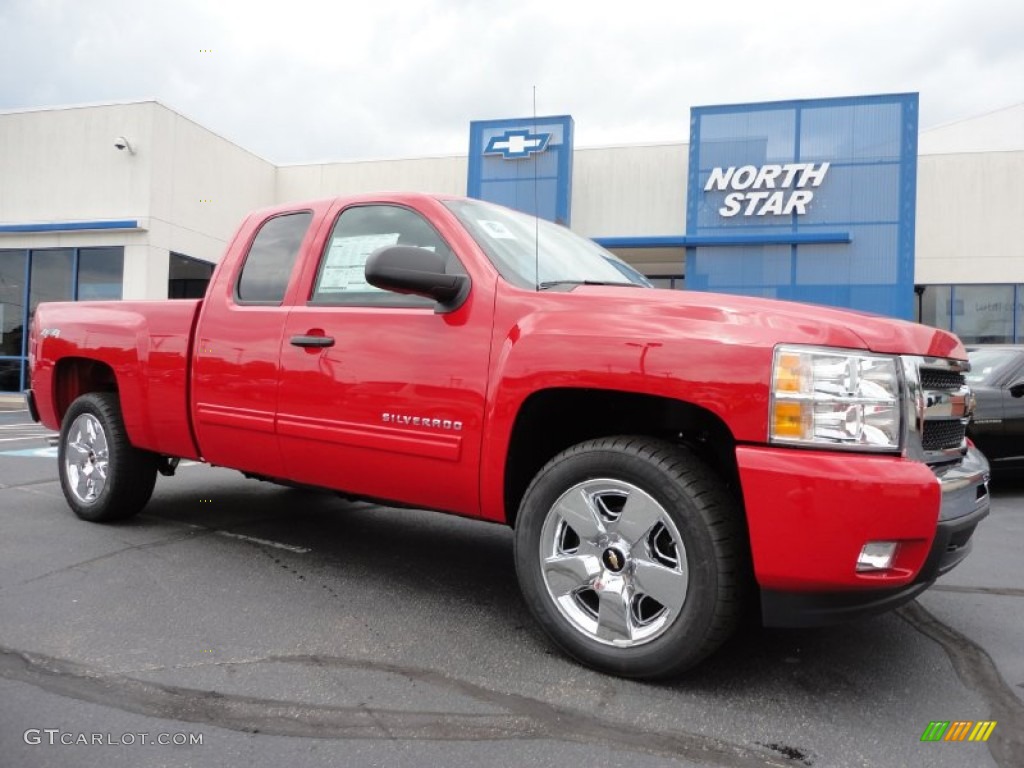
629 554
103 477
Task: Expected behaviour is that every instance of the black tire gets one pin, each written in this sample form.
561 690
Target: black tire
593 622
102 485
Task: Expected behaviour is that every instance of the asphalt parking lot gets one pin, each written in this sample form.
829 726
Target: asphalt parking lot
286 627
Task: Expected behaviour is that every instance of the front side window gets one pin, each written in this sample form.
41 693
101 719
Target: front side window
268 266
534 253
358 232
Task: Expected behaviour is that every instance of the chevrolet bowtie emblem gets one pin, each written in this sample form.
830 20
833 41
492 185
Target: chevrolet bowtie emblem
516 144
613 560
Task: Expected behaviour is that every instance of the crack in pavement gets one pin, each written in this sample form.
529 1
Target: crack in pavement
523 717
1000 591
978 672
29 484
131 548
192 531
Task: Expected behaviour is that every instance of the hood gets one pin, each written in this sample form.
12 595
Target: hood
742 319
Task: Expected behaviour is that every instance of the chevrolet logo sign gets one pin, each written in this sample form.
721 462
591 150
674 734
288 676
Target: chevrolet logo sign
517 143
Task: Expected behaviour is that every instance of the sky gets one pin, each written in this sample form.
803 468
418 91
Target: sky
299 81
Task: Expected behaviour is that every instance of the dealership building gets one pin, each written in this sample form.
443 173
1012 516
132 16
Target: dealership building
837 201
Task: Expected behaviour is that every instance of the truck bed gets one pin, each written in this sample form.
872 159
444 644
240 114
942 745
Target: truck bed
141 348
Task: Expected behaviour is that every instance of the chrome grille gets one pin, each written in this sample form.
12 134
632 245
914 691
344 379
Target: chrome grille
939 401
940 435
935 378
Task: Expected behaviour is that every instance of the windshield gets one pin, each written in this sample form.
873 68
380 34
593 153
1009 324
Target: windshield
986 364
534 253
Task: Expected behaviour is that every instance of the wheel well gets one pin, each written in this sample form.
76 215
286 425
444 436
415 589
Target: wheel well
77 376
554 419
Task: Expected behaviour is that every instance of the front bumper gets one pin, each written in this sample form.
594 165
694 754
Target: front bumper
811 512
811 609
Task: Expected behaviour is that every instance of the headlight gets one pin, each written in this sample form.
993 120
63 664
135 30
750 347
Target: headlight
835 398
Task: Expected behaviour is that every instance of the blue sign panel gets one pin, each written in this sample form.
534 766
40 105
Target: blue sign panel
806 200
524 163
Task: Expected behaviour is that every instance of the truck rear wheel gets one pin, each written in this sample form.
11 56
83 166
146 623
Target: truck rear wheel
629 554
103 476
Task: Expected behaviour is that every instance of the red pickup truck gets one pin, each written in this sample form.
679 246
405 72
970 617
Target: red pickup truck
666 458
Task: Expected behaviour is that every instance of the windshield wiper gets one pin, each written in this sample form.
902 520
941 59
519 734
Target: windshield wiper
552 283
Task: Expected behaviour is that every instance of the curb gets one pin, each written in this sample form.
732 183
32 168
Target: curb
12 402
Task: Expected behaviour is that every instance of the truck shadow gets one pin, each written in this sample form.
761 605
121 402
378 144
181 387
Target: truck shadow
464 569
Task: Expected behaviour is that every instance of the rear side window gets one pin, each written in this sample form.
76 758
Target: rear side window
268 266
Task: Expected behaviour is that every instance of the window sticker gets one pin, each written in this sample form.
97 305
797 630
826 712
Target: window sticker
344 266
496 229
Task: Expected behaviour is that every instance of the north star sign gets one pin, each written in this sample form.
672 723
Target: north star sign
771 190
515 144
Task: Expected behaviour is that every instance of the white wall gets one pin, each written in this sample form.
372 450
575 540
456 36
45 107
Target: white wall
61 165
437 175
187 187
630 191
970 218
202 186
145 272
999 131
620 191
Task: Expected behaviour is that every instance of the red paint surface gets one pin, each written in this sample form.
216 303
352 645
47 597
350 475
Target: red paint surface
256 403
810 512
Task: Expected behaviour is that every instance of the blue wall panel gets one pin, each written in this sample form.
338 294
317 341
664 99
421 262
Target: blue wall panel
867 191
524 163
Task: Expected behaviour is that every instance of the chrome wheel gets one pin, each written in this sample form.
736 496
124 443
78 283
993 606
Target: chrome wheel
86 458
613 562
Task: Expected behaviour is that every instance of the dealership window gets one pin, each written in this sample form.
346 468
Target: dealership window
100 273
12 317
978 314
52 277
12 302
187 277
983 314
677 282
30 277
934 303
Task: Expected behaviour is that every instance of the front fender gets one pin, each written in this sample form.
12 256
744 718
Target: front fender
558 351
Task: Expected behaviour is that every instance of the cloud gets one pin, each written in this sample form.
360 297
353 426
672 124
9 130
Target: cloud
304 81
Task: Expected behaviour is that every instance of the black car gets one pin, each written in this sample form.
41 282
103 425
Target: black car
997 379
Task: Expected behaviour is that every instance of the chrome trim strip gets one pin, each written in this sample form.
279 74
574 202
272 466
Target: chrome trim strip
964 486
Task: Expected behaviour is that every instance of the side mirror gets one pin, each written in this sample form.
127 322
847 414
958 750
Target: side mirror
405 269
1017 388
